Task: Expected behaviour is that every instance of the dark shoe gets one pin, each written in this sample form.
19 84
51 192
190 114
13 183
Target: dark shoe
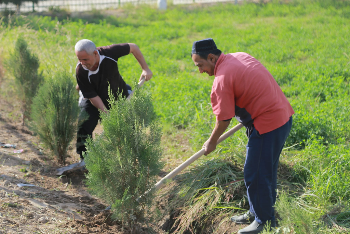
244 218
253 228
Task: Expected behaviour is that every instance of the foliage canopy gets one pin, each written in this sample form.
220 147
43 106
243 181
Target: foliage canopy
54 113
24 65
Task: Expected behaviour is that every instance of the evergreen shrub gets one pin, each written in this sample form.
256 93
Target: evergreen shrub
55 112
124 160
18 3
24 67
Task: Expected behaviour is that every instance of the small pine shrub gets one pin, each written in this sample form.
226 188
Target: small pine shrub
24 67
124 160
55 112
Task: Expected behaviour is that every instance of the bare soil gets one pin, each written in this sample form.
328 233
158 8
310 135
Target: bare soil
54 204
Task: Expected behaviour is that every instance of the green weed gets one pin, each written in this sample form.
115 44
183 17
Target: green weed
199 193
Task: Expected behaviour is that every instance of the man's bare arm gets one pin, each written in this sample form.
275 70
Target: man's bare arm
219 129
97 102
146 72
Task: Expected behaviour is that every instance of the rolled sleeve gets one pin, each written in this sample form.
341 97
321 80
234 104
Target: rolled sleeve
115 51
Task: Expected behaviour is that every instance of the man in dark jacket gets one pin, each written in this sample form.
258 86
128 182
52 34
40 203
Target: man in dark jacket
97 72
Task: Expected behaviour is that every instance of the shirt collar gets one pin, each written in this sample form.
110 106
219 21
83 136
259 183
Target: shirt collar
98 68
220 59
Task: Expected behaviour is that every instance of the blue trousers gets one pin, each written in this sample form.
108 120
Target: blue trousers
260 170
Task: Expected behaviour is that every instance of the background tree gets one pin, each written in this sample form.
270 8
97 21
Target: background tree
24 67
124 161
55 112
18 3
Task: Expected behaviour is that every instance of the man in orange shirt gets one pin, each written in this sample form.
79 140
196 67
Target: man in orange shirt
243 88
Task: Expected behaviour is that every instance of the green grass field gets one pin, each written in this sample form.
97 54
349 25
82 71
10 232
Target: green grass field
305 45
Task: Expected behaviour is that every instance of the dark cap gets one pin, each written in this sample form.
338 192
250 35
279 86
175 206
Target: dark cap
204 46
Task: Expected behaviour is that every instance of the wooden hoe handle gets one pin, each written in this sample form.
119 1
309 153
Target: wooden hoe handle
194 158
139 85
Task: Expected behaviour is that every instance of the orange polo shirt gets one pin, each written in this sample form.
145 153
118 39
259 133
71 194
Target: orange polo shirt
245 89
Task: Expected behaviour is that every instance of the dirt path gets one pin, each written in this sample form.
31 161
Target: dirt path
53 204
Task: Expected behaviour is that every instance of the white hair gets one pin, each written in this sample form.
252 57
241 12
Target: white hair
85 45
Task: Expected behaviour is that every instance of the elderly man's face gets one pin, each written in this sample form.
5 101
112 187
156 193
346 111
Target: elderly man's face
88 61
205 65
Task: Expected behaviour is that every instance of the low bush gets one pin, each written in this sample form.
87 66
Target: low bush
124 160
23 64
55 112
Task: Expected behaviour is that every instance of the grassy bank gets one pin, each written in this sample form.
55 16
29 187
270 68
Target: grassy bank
305 45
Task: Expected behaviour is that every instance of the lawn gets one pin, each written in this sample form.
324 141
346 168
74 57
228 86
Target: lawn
305 45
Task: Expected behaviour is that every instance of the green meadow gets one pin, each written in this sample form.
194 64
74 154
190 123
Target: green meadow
306 47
